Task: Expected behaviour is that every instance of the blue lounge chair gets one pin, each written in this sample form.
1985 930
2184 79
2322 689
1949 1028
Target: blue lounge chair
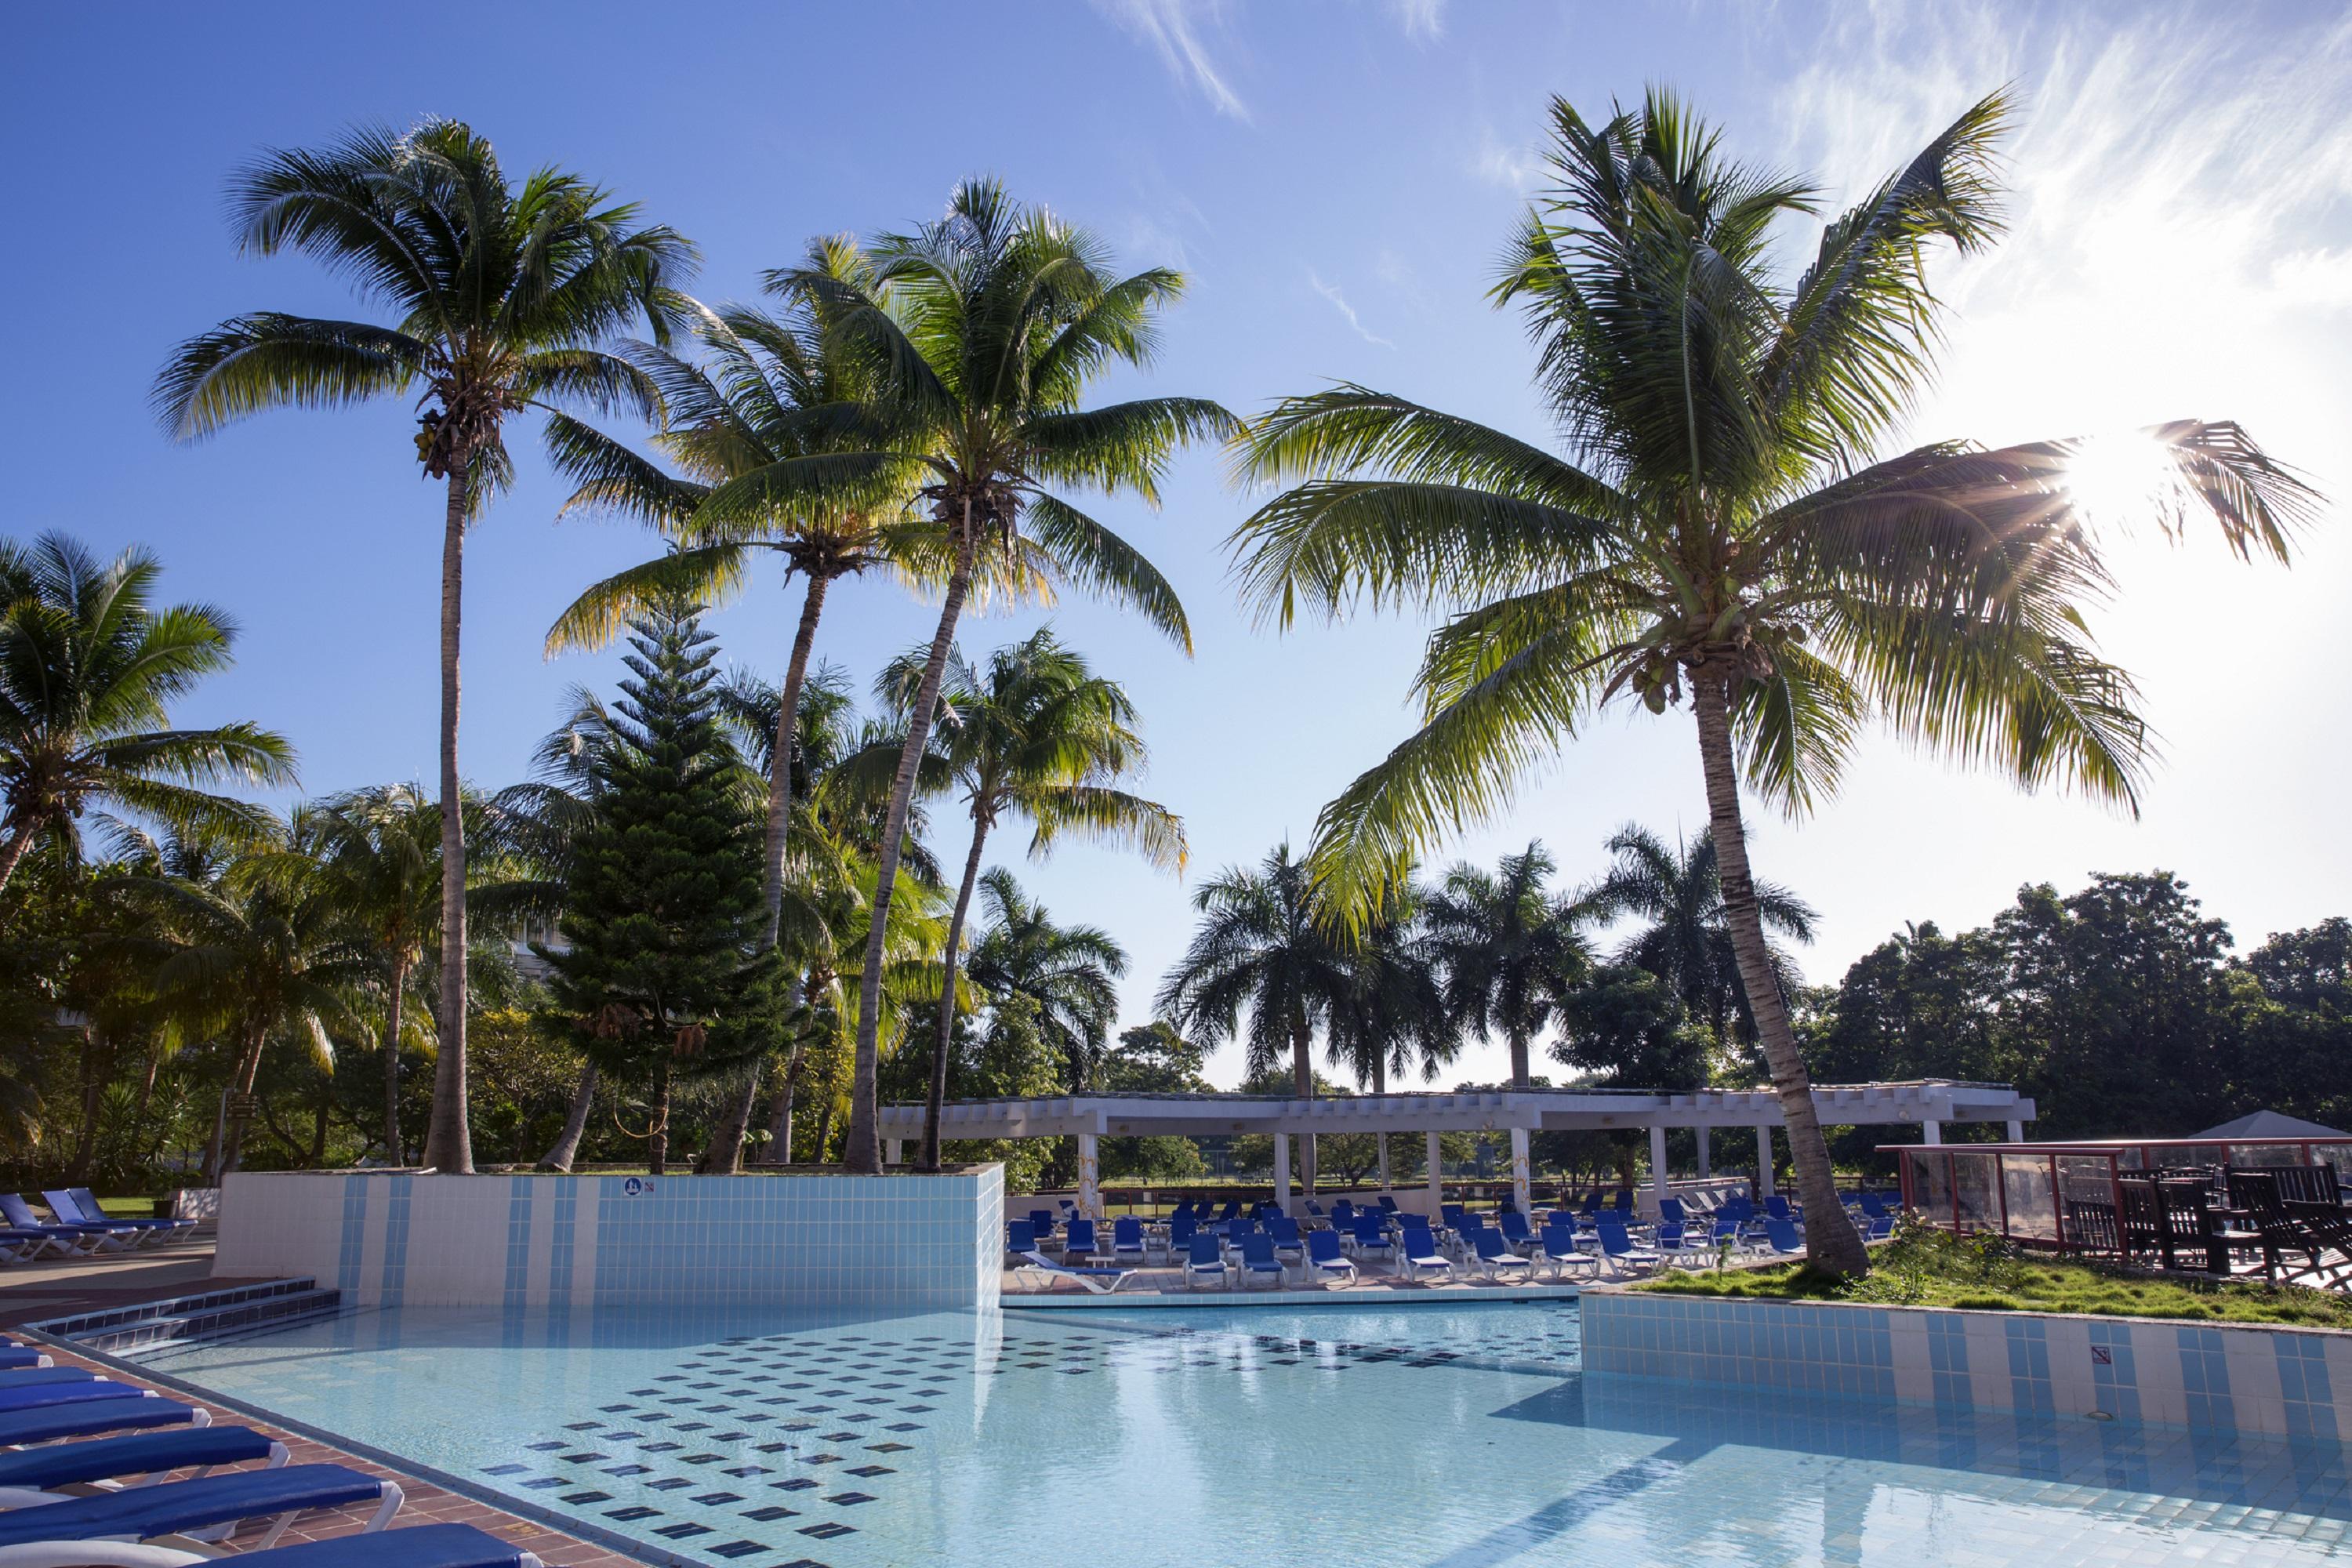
1452 1215
1078 1242
24 1246
1020 1236
1287 1247
1495 1260
32 1477
1670 1211
1205 1261
1881 1228
1514 1226
1041 1221
1559 1250
1343 1213
72 1239
1233 1210
78 1205
17 1357
1388 1204
1127 1239
1323 1257
132 1411
1871 1206
1182 1227
423 1546
1315 1210
1592 1203
1625 1200
1371 1236
1465 1235
1258 1261
185 1506
1777 1207
1237 1232
32 1376
1781 1237
1617 1250
38 1395
1680 1242
1421 1255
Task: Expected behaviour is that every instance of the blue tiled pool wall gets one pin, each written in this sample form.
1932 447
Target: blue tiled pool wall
2280 1382
915 1242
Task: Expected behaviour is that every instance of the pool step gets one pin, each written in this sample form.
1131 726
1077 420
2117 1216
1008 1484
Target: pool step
198 1316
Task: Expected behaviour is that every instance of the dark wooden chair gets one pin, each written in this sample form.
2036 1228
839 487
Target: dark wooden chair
2092 1226
2325 1229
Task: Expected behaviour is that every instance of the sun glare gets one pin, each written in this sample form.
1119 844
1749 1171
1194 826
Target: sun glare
2120 478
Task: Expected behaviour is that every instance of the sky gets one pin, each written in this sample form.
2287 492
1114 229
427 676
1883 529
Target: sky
1336 182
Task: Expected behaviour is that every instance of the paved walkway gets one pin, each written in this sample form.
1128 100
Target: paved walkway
34 1292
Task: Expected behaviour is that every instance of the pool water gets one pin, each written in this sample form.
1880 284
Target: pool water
1436 1437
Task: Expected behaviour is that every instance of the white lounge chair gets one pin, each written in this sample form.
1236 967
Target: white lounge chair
1088 1279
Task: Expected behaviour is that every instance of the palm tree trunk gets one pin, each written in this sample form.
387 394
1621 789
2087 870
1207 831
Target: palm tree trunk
779 1111
780 764
448 1144
938 1090
96 1070
392 1060
862 1153
1302 1082
723 1155
248 1068
146 1091
19 839
1519 1061
1830 1241
658 1146
575 1124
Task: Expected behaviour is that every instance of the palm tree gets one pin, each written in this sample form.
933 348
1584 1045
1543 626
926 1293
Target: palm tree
1395 1017
1070 971
1509 947
266 950
1265 942
89 669
501 295
1035 734
1685 940
1716 531
982 332
769 390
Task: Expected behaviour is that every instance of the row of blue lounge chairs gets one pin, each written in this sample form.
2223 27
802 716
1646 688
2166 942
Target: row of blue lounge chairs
78 1227
85 1468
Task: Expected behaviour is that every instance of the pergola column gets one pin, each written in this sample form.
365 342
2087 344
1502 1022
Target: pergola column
1089 1177
1706 1154
1282 1171
1658 1160
1932 1131
2017 1131
1436 1179
1764 1160
1521 1199
1382 1143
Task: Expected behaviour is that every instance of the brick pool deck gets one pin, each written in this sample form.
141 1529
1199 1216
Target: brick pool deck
37 1291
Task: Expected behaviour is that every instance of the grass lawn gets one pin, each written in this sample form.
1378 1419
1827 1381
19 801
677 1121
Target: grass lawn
2033 1286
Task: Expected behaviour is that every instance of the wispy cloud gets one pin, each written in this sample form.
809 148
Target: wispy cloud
1421 19
1498 162
1168 25
1340 303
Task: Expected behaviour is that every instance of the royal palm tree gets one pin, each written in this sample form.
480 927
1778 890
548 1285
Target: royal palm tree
1266 942
1509 947
1032 734
983 331
1070 971
499 295
89 669
767 391
1684 939
1716 531
1395 1019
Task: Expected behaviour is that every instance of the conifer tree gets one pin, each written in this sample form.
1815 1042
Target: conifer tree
663 905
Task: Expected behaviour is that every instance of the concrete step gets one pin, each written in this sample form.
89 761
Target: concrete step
198 1315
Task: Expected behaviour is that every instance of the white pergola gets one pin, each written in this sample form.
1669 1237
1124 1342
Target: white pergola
1927 1104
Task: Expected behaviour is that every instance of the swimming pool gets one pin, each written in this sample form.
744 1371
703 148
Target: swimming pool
1438 1437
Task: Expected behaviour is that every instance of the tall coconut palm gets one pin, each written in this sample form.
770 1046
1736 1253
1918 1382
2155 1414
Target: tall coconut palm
765 391
983 331
380 847
88 670
1396 1018
1685 938
1266 942
1032 734
1509 946
1070 971
499 296
1718 531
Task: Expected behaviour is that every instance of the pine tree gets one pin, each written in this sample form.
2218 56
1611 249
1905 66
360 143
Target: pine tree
663 893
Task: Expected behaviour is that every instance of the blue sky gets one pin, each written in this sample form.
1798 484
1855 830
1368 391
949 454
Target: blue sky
1336 181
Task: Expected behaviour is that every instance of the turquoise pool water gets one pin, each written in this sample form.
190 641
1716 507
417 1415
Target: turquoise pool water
1435 1436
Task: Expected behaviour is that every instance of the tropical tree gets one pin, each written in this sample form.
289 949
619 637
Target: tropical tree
983 331
1396 1016
1716 531
1070 971
1509 947
89 669
1032 734
499 296
767 391
1686 939
266 951
1266 942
